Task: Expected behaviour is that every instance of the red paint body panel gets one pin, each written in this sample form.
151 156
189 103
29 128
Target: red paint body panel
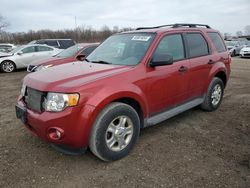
155 89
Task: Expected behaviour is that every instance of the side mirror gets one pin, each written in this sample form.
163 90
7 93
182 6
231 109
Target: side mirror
19 53
161 60
81 57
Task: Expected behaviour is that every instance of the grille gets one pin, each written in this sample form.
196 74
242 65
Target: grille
34 99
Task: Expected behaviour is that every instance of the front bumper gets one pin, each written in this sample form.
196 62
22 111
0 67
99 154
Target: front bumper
245 54
75 123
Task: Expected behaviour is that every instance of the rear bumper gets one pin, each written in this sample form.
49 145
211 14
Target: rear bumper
75 123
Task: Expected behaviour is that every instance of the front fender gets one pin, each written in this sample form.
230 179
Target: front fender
109 94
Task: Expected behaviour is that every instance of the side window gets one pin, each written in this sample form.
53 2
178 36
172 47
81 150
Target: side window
197 45
66 43
172 45
30 49
52 43
217 41
88 50
43 48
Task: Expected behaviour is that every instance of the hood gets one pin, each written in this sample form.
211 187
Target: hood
2 54
70 76
246 49
53 61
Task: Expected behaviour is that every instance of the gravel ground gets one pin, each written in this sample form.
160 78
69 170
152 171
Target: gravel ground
193 149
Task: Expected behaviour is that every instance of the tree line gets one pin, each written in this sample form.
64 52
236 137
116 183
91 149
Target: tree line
79 34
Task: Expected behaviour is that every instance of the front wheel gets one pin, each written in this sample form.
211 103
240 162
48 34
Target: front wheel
114 132
8 66
214 95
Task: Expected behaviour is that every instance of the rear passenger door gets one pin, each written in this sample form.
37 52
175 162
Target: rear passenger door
44 52
199 54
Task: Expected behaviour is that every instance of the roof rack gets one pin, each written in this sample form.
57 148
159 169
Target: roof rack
176 26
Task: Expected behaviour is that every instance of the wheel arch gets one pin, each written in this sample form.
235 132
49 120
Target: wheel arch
222 75
130 98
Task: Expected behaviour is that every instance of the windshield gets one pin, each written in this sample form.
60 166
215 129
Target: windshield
16 49
122 49
69 52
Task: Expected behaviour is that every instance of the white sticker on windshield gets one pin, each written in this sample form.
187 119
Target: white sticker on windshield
141 38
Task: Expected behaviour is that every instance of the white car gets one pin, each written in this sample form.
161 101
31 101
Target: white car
22 56
245 51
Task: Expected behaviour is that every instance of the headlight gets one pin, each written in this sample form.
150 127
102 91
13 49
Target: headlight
23 90
56 102
43 67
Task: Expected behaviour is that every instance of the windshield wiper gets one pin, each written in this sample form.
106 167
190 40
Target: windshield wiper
101 62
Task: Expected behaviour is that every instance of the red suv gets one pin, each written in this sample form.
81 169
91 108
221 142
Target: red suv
131 81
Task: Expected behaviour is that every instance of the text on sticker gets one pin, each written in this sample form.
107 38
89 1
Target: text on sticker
141 38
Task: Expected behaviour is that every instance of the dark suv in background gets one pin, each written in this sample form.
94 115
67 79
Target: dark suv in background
57 43
132 80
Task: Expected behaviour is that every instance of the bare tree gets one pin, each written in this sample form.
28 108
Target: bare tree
247 30
3 23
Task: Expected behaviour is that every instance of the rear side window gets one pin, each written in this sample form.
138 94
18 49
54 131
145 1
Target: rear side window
51 43
218 43
197 45
43 48
172 45
64 44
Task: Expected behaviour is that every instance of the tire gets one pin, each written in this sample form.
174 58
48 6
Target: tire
108 132
214 95
233 54
8 66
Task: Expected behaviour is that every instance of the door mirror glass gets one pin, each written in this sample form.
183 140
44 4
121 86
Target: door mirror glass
161 60
81 57
19 53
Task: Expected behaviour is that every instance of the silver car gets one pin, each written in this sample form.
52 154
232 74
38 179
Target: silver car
234 47
22 56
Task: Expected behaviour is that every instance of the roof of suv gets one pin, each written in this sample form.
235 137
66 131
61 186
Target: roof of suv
177 26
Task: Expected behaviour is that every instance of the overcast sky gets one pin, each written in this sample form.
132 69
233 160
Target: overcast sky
225 15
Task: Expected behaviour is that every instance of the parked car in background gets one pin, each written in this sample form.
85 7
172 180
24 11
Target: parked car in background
6 47
74 53
234 47
22 56
57 43
245 51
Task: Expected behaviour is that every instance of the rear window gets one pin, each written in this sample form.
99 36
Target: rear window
218 43
197 45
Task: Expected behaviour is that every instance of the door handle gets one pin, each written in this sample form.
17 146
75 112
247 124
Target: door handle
183 69
210 62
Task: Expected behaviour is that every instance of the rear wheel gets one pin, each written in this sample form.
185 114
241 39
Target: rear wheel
115 132
8 66
214 95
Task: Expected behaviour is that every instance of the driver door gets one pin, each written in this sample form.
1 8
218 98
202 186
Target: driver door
168 84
